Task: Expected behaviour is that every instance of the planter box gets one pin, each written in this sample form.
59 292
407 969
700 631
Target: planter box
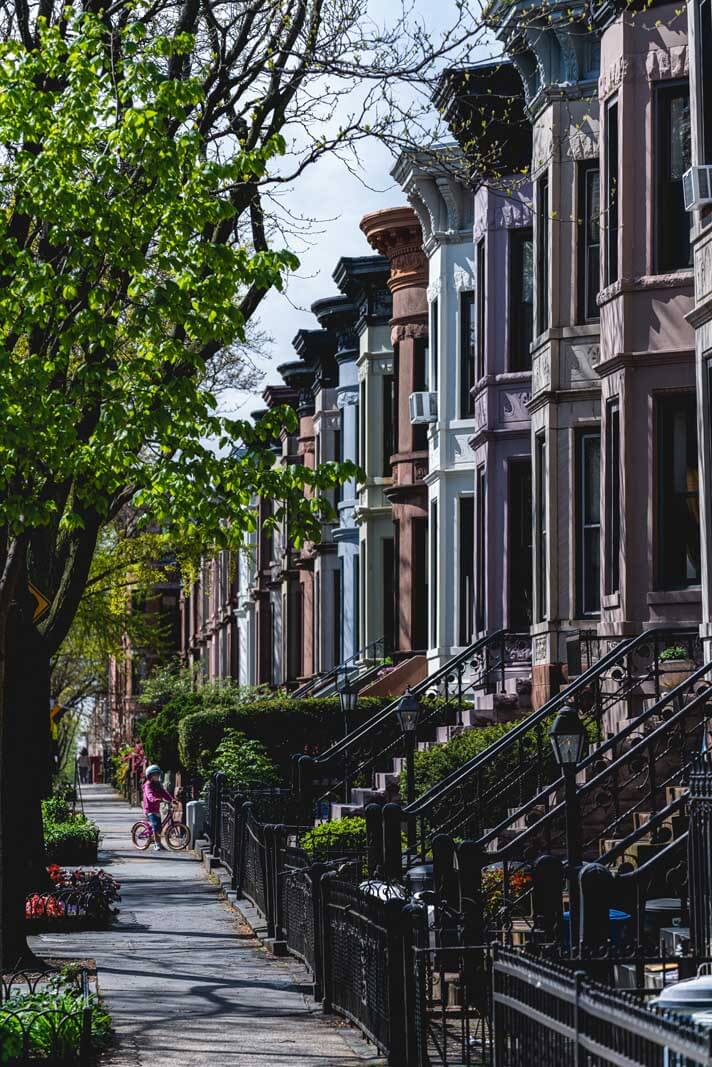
675 671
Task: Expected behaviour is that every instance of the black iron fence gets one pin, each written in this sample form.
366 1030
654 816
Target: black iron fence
39 1022
547 1014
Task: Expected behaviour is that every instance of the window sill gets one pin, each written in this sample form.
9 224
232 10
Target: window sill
691 595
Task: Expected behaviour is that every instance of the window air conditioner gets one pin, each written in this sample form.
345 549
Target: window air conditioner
423 407
697 187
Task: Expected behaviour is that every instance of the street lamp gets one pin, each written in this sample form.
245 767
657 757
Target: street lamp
568 740
408 711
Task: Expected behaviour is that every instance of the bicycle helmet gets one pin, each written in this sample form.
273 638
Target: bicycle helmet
153 769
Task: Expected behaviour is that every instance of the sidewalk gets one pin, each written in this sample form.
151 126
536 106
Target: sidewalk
185 982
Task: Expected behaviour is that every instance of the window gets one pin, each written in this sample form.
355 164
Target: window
480 549
434 346
420 384
467 354
339 453
704 80
542 265
389 597
613 498
521 299
388 426
434 574
338 607
481 318
611 201
519 544
362 457
467 566
678 493
419 617
588 516
672 158
589 240
541 529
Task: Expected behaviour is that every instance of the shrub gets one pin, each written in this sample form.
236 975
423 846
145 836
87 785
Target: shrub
171 694
437 762
244 762
83 898
283 726
674 652
71 839
340 836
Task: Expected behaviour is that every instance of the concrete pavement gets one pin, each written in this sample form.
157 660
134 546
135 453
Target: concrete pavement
185 981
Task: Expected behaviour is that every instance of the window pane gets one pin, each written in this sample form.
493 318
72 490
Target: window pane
467 353
589 522
521 299
678 497
672 103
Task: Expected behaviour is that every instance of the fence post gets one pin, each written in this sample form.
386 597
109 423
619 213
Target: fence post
395 937
548 884
374 838
414 978
578 983
219 780
268 836
392 851
317 872
244 813
471 858
323 887
236 856
444 875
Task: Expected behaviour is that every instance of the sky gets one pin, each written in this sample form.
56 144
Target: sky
338 199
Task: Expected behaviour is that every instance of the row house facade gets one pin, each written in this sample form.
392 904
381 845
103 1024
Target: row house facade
520 368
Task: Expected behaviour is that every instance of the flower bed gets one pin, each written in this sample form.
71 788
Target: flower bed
51 1020
79 899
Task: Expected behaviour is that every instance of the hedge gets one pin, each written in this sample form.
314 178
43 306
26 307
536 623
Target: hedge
435 763
283 727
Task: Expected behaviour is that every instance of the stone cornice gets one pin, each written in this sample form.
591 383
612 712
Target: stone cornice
396 234
681 279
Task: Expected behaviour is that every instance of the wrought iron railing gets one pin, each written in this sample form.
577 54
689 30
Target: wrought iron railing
546 1013
55 1029
360 666
452 688
505 782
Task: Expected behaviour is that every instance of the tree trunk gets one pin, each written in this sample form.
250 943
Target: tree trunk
25 766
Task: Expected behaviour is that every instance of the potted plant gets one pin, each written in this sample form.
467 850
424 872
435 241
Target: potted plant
675 666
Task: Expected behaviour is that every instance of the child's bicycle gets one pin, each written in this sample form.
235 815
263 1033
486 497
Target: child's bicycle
176 834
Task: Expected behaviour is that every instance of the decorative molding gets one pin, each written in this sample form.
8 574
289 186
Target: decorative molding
416 330
513 405
481 411
434 290
540 649
583 143
541 372
332 422
703 270
462 279
579 362
624 69
451 192
512 214
347 397
662 64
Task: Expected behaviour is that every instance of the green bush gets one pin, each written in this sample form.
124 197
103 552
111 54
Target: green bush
69 839
171 693
674 652
283 726
244 762
347 835
437 762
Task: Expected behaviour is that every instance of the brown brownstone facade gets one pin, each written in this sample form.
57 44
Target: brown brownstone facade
396 234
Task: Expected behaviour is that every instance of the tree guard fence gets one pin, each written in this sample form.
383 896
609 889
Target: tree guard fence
35 1031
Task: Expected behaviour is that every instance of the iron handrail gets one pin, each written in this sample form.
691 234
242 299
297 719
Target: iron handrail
382 716
595 782
332 674
423 805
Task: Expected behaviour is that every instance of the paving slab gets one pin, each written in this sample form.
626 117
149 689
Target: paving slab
185 979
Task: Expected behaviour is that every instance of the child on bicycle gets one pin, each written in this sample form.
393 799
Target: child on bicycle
153 795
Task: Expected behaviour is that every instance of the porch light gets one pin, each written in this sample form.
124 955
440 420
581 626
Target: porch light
408 712
568 737
348 695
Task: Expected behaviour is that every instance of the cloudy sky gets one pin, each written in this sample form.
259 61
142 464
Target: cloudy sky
335 200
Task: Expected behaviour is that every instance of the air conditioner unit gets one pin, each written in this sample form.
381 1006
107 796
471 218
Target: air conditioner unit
697 187
423 407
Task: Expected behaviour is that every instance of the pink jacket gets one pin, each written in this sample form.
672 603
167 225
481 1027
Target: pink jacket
153 794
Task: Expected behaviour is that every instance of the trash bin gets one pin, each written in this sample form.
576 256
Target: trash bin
617 927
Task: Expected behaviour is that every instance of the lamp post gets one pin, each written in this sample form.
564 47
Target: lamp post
568 740
408 712
348 696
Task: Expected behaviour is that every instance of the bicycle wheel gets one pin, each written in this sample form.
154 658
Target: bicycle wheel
177 836
141 835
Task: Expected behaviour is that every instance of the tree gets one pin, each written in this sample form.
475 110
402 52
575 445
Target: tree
138 148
